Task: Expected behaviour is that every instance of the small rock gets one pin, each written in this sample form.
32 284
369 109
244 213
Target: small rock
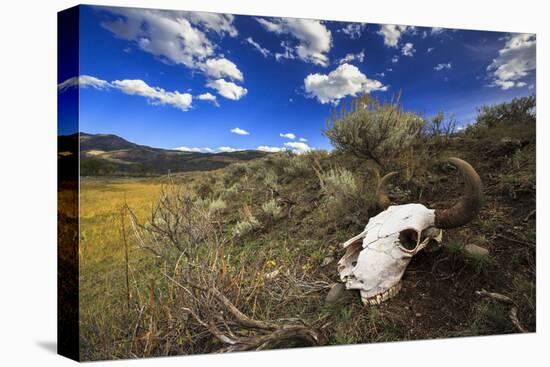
475 250
418 314
336 294
327 261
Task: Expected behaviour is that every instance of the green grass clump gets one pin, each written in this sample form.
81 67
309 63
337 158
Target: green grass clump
271 209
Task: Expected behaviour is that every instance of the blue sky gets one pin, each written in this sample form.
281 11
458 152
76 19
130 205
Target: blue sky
215 82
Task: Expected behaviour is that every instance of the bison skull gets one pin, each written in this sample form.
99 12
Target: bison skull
376 259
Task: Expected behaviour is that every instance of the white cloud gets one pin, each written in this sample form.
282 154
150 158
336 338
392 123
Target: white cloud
155 95
223 149
345 80
220 23
227 89
408 49
303 139
288 52
430 49
83 81
288 136
265 148
314 40
220 68
297 147
437 30
229 149
515 61
354 30
392 33
239 131
442 66
264 51
195 149
168 35
175 37
208 97
395 59
351 57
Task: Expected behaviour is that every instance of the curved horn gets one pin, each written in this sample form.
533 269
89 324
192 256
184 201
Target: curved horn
382 198
470 203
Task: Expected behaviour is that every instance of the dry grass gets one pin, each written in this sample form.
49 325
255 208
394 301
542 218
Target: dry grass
270 224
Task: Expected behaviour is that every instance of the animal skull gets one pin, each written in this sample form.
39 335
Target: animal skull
376 259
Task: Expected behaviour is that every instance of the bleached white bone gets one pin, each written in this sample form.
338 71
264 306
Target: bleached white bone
375 266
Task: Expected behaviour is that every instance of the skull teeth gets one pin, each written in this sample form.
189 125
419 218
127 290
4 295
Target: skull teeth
383 296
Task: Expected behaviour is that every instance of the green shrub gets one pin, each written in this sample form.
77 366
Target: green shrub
339 184
518 110
297 166
373 130
247 224
270 179
271 209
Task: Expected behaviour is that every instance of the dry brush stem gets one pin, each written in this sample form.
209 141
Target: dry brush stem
216 313
513 314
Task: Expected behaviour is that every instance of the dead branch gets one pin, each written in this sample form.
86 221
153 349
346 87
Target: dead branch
513 314
216 313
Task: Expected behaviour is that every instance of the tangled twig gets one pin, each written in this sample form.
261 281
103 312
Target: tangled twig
513 314
232 327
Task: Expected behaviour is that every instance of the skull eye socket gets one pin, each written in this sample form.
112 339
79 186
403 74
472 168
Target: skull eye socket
408 239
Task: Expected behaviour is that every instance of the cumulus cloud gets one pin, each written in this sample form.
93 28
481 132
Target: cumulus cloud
395 59
408 49
264 51
220 68
195 149
227 89
229 149
175 37
392 33
345 80
354 30
221 24
168 35
352 57
437 30
442 66
430 49
313 39
288 136
222 149
208 97
515 61
83 81
303 139
265 148
297 147
239 131
155 95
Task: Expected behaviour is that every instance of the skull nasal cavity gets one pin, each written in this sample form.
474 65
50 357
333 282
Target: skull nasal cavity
408 238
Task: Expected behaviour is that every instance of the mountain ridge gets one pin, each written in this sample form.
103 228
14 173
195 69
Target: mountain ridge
112 155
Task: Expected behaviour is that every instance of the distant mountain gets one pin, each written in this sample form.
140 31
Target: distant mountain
107 155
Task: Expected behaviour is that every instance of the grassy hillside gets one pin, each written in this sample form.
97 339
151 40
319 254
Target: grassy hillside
110 155
267 234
